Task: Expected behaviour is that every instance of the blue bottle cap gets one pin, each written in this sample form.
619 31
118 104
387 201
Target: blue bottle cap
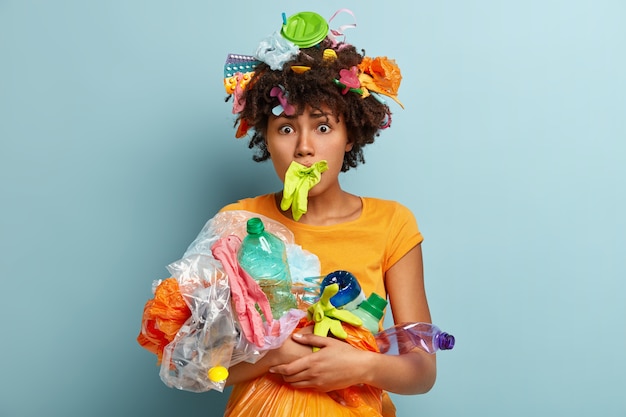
349 288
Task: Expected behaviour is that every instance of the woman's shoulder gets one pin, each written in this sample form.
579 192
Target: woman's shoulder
253 204
383 206
393 218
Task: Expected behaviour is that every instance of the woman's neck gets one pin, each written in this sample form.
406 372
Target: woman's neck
328 209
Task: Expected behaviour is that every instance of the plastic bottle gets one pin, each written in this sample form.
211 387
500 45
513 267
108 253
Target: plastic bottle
402 338
263 256
371 311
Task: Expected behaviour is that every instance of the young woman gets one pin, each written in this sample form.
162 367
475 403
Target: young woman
324 103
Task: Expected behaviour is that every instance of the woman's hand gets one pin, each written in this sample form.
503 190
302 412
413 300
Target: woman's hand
336 365
288 352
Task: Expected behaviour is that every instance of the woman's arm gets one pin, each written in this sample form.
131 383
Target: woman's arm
407 296
339 365
287 352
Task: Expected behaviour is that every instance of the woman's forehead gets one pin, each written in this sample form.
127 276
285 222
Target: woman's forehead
315 112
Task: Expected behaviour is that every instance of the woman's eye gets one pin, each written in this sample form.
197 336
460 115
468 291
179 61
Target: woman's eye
285 130
324 128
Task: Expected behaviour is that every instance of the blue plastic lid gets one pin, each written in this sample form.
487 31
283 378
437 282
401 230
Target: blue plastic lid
349 287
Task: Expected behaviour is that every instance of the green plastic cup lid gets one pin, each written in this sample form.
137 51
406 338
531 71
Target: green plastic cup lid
305 29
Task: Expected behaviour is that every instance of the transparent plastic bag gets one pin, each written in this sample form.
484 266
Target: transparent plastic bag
233 223
208 337
192 340
276 334
302 263
211 338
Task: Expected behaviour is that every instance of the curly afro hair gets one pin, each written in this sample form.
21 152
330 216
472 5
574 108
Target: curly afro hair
364 117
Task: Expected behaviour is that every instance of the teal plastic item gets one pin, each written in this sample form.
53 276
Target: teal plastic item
264 257
239 63
305 29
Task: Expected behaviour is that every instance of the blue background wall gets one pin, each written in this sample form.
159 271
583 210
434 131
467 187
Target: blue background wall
116 146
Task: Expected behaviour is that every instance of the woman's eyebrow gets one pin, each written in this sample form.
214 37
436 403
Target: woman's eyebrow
318 114
284 116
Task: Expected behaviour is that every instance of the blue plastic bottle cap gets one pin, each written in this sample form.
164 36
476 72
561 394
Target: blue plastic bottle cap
305 29
349 288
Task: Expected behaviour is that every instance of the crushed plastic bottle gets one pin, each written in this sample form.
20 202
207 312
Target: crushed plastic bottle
403 338
263 256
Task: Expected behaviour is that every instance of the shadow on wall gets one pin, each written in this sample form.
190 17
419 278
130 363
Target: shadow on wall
214 173
161 401
234 175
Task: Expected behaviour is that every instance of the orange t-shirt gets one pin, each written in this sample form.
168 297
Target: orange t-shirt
367 247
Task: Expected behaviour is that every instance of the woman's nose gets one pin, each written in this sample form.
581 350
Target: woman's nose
304 147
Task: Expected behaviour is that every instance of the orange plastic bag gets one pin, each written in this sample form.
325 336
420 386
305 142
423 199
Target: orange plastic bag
162 317
268 395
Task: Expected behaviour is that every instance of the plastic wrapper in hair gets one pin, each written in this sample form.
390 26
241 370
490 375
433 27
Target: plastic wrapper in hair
276 51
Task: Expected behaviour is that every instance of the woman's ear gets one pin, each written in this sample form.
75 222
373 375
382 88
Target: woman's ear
350 143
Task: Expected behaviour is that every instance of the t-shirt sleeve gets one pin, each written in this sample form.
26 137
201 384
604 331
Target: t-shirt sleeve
260 204
404 235
232 206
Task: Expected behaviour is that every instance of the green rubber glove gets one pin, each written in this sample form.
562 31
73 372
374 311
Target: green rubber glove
327 318
298 181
